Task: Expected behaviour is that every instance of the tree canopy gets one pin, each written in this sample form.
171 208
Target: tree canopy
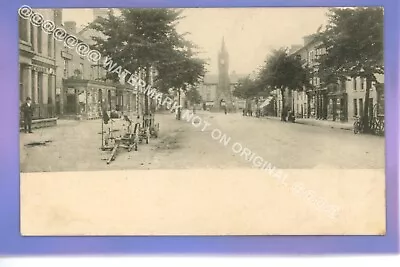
139 38
246 88
353 41
282 70
184 70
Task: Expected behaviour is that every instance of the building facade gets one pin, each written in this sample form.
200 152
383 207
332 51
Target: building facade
310 103
82 90
337 102
37 66
208 90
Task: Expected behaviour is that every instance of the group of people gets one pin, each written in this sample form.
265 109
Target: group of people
289 115
249 112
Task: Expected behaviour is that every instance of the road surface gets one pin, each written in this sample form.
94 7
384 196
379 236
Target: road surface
218 141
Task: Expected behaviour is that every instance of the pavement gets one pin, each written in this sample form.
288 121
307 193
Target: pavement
296 146
75 146
320 123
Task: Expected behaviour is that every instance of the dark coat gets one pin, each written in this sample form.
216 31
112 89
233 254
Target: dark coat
26 110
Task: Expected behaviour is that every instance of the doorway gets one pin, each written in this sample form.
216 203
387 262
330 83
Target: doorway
71 104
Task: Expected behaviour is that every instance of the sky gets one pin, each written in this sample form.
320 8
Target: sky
250 33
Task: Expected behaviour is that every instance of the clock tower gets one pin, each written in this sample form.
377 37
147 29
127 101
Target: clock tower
223 89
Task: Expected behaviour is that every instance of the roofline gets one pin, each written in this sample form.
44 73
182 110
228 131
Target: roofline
313 41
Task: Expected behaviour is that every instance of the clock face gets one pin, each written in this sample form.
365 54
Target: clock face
222 61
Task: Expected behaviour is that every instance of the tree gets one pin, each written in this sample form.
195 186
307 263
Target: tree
282 71
140 39
353 41
193 96
183 71
246 89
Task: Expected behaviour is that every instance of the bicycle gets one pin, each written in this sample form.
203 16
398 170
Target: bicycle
380 126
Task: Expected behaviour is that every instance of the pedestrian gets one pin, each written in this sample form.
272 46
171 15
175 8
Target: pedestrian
27 111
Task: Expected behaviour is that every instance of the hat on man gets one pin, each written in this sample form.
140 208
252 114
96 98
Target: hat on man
28 98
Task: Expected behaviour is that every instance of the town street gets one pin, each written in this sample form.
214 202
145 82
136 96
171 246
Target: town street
75 146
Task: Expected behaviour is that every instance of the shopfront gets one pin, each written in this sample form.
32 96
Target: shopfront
337 107
311 104
83 98
321 104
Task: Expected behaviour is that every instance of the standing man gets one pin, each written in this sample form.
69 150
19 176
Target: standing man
223 105
27 111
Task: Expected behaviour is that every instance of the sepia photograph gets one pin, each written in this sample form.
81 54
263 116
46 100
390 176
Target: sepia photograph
209 121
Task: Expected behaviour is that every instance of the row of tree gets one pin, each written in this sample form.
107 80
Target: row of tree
146 39
353 41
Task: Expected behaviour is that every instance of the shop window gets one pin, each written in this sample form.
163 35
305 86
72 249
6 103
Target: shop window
362 80
355 108
355 83
40 88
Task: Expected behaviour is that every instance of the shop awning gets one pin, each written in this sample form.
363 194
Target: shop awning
266 102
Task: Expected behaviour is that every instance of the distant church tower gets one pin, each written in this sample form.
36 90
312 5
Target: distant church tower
223 88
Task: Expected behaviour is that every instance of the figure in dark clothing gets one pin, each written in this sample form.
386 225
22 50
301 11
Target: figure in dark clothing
27 111
106 118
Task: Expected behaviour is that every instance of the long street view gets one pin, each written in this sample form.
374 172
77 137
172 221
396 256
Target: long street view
306 98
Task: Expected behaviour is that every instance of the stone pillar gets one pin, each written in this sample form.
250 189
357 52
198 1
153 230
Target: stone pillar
27 83
45 89
28 30
35 87
44 41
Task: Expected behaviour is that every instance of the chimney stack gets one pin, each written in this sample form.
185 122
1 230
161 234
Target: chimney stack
58 17
70 26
